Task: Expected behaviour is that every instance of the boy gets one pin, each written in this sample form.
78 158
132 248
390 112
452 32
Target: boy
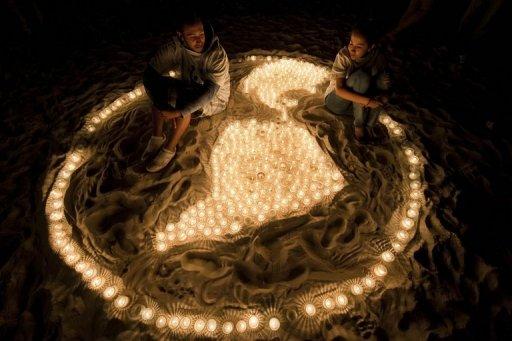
190 75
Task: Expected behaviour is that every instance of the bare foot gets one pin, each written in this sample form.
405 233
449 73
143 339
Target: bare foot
359 133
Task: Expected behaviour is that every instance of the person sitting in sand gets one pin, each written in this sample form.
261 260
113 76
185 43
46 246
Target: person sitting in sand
188 76
358 80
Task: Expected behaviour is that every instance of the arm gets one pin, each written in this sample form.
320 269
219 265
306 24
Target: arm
340 66
383 85
345 93
217 74
203 97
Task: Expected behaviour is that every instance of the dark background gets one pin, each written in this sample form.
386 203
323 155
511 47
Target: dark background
46 34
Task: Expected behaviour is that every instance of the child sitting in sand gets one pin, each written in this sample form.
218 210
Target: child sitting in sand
359 80
190 75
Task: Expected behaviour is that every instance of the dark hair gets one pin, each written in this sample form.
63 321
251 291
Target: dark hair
367 30
188 18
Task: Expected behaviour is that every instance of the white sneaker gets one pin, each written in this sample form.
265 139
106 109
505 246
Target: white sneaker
161 160
154 143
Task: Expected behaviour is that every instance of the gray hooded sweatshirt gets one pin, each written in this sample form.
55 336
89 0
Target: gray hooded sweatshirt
210 68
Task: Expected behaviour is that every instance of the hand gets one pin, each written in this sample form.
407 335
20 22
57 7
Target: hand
384 81
374 103
382 98
170 114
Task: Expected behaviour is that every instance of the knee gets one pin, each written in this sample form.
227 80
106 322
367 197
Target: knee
359 81
372 118
329 101
185 120
336 104
155 112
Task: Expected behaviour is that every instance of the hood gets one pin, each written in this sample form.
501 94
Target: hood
211 40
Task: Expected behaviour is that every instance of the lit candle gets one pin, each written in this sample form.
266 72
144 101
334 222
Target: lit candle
199 325
328 303
185 323
402 235
121 301
254 322
227 327
387 256
341 300
109 292
274 323
211 325
407 223
380 270
310 309
97 282
241 326
369 282
174 322
161 322
397 247
356 289
147 313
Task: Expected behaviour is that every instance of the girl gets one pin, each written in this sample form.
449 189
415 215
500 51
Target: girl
358 80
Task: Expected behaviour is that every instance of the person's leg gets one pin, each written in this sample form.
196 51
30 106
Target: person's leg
157 138
166 154
181 126
382 84
337 105
186 93
360 115
158 89
158 122
359 82
373 114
